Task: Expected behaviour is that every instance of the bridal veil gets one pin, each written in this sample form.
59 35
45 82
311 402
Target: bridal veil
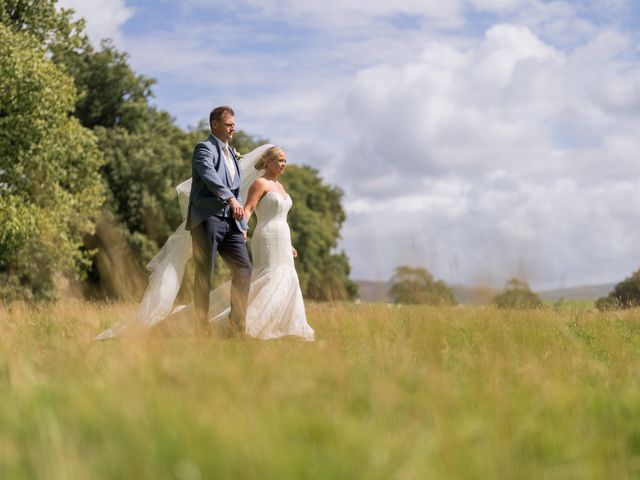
168 266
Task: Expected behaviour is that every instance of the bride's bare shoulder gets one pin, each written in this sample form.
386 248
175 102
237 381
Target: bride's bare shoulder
260 181
258 188
259 184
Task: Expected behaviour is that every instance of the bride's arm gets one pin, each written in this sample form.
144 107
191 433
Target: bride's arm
256 191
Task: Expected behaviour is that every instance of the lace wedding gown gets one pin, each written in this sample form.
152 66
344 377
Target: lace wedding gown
275 306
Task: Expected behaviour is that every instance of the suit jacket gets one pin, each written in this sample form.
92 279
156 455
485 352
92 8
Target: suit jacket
211 184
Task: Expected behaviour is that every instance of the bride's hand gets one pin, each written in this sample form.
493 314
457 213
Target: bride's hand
236 208
295 252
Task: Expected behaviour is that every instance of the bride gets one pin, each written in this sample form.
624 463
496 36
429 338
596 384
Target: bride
275 307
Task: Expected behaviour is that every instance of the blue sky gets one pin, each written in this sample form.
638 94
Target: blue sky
481 139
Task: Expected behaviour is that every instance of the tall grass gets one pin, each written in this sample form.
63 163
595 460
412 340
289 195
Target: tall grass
405 393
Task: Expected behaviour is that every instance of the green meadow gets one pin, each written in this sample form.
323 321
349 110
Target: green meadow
385 393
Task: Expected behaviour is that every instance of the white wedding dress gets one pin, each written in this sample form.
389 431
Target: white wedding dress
275 306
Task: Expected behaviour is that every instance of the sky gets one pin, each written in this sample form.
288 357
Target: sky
480 139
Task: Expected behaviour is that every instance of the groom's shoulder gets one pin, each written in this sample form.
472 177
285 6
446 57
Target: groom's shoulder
206 144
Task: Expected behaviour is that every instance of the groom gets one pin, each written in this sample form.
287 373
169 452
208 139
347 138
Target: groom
216 220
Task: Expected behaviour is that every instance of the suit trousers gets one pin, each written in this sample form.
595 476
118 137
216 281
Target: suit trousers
222 235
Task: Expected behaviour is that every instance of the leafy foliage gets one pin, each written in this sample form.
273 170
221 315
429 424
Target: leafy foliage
417 286
625 294
517 294
141 172
50 27
110 92
315 220
145 155
49 183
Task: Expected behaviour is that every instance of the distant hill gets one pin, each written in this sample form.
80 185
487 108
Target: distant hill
474 295
373 291
378 291
586 292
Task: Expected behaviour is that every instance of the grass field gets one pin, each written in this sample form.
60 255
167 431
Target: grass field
385 393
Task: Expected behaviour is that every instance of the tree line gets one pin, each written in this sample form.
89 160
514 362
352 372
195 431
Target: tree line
415 285
88 169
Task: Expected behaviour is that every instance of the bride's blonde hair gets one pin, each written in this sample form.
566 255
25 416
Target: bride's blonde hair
271 154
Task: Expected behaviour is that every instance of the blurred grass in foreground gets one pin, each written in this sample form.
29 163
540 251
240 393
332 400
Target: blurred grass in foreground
406 393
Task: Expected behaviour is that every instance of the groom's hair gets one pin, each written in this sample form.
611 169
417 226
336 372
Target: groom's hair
216 113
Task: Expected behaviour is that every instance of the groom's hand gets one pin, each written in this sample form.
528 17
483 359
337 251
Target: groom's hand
236 208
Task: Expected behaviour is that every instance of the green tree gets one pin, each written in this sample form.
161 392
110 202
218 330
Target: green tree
242 142
49 183
417 286
145 152
517 294
146 155
141 171
315 221
51 28
141 211
110 93
625 294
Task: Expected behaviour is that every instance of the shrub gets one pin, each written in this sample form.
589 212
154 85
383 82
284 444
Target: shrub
625 294
517 294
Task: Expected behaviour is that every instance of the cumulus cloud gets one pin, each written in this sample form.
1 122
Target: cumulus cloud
481 139
347 13
508 158
104 17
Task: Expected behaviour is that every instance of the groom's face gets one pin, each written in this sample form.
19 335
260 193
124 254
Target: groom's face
223 128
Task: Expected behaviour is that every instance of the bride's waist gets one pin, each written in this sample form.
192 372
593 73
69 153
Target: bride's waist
272 222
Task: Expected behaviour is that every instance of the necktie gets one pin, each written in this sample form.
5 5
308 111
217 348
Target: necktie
230 165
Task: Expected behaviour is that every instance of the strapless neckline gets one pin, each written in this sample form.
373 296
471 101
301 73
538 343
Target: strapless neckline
284 197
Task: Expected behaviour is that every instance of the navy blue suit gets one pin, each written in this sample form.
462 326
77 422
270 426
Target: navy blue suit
213 229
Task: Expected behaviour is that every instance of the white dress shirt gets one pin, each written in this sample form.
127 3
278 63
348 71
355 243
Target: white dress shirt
231 166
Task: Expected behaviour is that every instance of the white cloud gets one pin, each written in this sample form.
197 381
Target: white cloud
508 158
553 234
104 17
340 14
497 5
480 155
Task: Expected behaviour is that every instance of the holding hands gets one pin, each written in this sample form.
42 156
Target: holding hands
236 208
